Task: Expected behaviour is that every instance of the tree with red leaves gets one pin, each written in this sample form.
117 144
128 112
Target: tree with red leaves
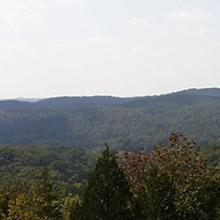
173 182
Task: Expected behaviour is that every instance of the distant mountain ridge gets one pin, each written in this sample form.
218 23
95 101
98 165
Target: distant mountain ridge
207 92
28 99
86 122
211 92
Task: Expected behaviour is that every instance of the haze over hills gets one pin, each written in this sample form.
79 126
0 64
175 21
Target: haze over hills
86 122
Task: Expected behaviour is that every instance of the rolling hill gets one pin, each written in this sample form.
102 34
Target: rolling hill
86 122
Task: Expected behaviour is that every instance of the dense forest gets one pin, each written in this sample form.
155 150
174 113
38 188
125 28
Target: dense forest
178 181
125 123
55 165
67 165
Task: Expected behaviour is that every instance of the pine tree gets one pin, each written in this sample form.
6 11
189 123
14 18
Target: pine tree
107 195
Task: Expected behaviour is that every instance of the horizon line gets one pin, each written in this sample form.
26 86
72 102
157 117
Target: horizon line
36 99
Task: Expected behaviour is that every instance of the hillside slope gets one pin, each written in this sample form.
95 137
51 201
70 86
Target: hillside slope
123 122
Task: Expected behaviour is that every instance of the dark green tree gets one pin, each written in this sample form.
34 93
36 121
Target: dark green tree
108 194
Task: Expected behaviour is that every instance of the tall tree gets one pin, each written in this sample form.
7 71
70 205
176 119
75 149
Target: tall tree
174 182
107 195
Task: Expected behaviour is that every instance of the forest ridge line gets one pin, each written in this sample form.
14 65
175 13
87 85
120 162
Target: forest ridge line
88 122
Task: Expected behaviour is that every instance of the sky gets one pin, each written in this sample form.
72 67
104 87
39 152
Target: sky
99 47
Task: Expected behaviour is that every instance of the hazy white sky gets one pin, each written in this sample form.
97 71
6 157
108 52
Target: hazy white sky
116 47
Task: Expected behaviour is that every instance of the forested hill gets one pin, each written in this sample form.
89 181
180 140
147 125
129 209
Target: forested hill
88 122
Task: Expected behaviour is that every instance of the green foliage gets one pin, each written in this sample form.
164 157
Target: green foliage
16 202
177 184
107 195
71 208
88 122
34 201
176 181
46 197
67 165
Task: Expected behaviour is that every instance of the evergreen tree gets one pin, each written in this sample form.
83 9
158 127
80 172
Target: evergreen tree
107 195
